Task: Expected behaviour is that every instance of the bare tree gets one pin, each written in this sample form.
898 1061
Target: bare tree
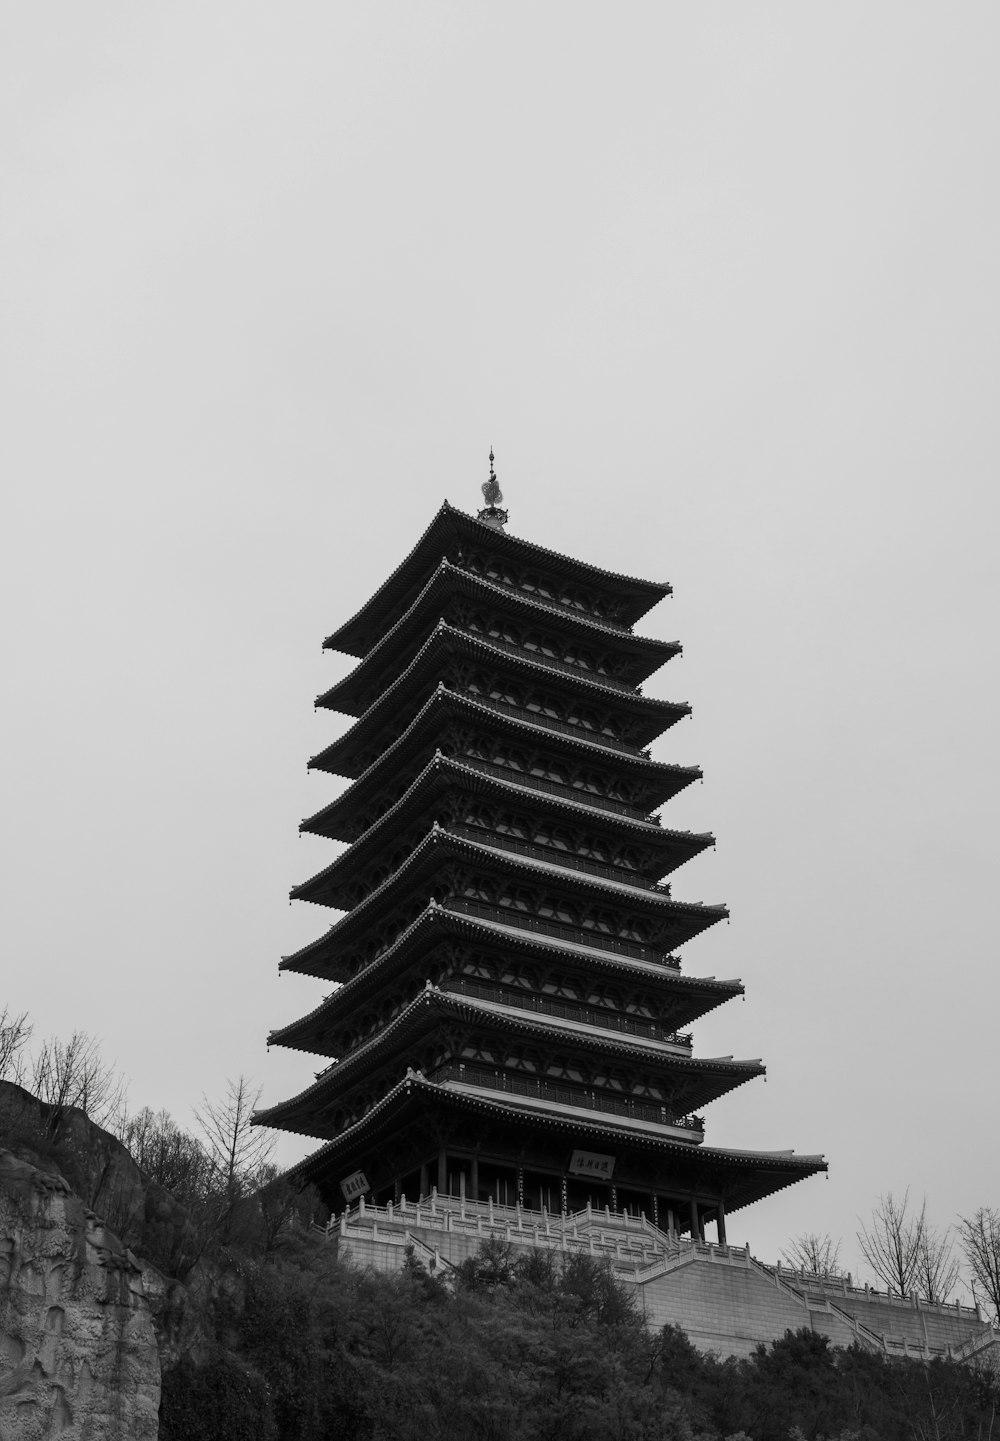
979 1235
15 1033
893 1241
167 1154
237 1149
936 1275
67 1074
812 1252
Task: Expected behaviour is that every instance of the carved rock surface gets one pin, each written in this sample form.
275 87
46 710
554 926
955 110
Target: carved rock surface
78 1355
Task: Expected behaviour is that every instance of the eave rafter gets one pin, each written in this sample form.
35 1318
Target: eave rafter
393 651
687 918
445 776
705 1079
452 527
744 1176
691 996
445 705
648 716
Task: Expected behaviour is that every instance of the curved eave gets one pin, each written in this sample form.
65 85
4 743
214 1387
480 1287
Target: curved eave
446 641
703 993
693 996
422 1017
651 903
354 636
442 773
443 703
748 1176
390 653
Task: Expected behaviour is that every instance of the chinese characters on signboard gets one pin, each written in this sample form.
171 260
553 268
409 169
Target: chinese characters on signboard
354 1185
589 1163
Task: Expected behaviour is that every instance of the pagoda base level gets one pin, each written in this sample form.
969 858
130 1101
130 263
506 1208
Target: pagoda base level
423 1136
720 1295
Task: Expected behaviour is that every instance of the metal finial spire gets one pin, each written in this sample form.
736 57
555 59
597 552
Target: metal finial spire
493 496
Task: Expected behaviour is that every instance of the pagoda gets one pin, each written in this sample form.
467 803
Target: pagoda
509 1013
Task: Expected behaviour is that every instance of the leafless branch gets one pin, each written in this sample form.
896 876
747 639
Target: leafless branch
979 1235
892 1242
812 1252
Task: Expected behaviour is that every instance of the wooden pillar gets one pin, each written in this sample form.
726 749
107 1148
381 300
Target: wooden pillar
696 1234
425 1179
474 1175
442 1172
720 1219
671 1220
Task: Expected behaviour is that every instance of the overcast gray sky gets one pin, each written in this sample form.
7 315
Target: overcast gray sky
719 283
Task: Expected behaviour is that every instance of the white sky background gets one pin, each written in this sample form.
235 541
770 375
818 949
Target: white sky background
719 283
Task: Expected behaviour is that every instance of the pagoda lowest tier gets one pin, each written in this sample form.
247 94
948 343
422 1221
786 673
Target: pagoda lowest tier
508 1011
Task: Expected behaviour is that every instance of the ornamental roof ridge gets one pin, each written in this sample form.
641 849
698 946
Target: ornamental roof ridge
511 860
580 619
786 1163
579 624
621 1043
458 765
447 1002
449 517
629 696
511 936
594 883
597 749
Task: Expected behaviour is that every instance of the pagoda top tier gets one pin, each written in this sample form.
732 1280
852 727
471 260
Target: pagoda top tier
555 580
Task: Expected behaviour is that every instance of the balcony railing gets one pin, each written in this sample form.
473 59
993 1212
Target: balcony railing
567 1011
547 722
587 1100
555 788
594 940
554 857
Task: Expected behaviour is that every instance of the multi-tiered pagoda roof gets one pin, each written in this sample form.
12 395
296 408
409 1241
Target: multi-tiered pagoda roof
508 1006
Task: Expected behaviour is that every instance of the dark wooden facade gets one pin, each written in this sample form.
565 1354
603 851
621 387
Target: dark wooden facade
509 1014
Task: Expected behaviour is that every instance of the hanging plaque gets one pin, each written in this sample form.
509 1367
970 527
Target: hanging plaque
354 1186
590 1163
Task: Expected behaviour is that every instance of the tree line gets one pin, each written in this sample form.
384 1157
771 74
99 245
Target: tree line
224 1163
218 1183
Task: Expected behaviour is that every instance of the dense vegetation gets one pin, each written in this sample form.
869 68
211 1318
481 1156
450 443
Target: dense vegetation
270 1339
303 1349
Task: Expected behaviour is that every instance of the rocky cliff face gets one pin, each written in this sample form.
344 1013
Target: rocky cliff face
78 1354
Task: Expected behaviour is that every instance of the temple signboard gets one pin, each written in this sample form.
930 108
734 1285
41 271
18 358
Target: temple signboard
590 1163
354 1185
